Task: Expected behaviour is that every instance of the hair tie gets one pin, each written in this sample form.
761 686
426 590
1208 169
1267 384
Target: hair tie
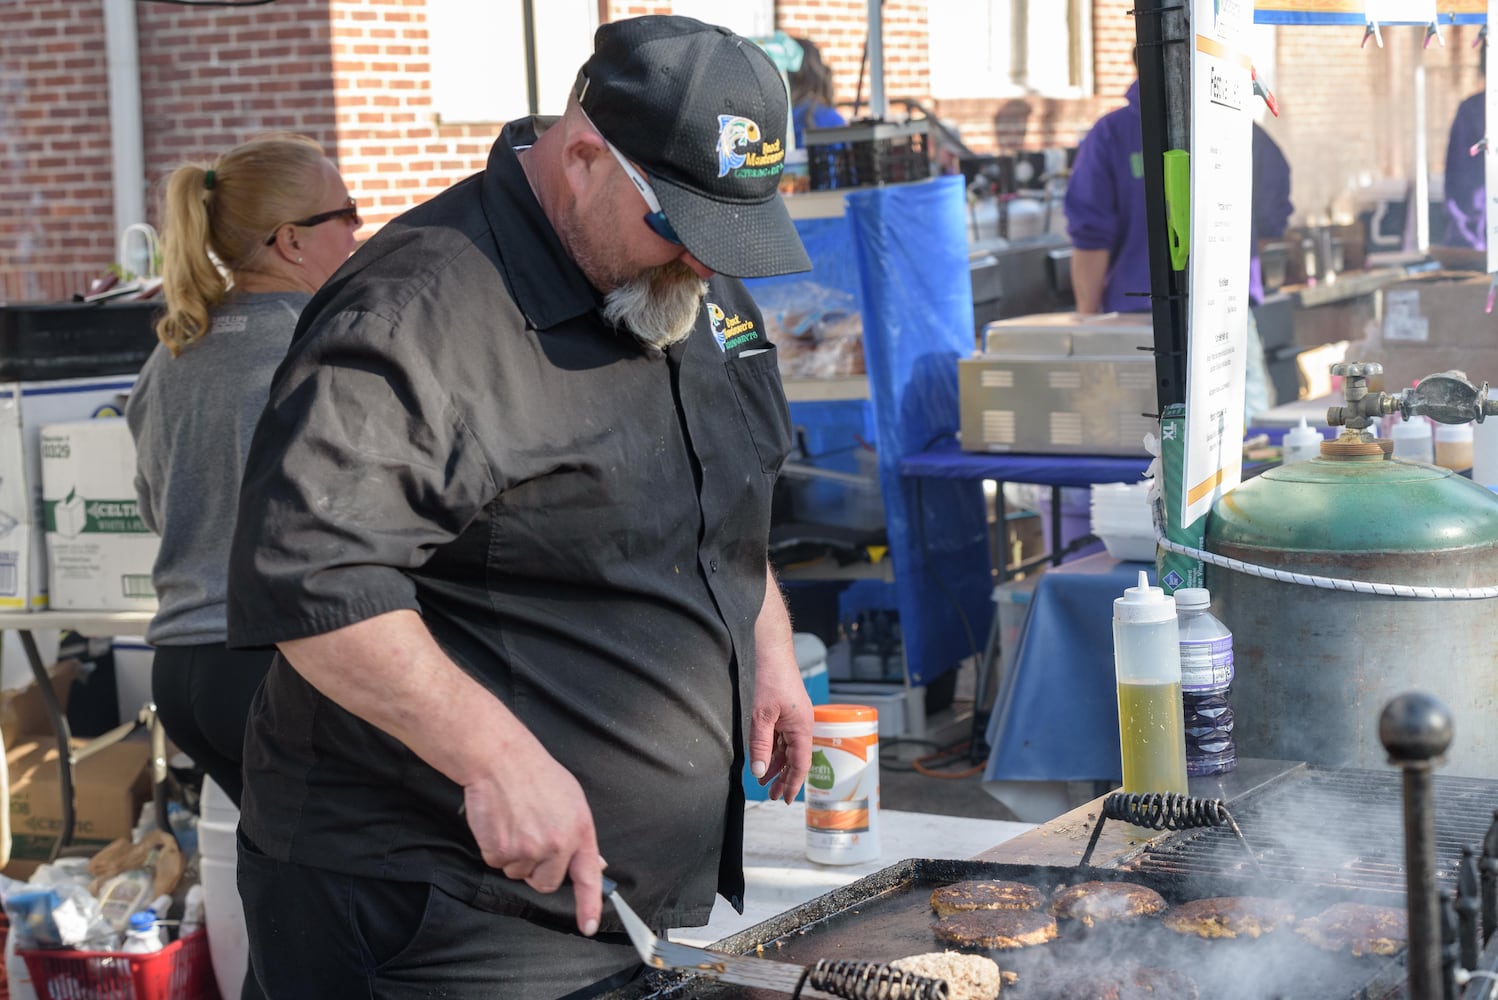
208 179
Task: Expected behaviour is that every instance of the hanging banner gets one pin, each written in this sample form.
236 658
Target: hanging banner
1220 227
1490 156
1359 12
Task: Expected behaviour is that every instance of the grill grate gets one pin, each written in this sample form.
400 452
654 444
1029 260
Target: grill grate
1341 828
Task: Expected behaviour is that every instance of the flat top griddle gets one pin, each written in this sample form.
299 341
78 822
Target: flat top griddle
887 915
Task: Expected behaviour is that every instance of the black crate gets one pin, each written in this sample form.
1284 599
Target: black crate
44 341
867 154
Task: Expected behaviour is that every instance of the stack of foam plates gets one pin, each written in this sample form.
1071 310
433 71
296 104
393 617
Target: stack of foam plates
1121 518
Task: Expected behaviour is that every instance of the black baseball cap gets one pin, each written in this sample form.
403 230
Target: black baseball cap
703 112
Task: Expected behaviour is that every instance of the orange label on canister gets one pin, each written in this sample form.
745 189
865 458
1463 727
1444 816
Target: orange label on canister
862 747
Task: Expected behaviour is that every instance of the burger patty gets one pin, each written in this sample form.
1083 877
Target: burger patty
996 929
1229 916
968 977
1093 901
1359 928
985 894
1144 982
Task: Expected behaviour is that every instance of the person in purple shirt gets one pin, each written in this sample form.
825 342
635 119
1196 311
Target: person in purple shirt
1105 214
1466 181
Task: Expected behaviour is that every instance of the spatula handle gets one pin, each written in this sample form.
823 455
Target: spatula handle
609 886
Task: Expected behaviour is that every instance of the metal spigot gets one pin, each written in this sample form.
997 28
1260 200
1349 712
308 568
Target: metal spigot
1447 397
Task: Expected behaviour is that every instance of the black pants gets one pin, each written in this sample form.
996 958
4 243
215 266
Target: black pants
316 934
203 696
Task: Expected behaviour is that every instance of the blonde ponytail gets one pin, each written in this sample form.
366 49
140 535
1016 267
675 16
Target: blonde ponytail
217 219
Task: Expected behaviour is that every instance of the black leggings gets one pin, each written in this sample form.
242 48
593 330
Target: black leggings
203 696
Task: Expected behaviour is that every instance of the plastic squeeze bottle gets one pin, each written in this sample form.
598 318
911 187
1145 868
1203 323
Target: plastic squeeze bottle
141 936
1147 663
1301 443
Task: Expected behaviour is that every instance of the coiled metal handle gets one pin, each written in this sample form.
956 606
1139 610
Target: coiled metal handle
870 981
1166 810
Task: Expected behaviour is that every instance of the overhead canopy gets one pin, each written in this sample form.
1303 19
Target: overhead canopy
1358 12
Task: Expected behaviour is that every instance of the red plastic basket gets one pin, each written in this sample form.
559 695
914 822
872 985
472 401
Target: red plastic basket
180 971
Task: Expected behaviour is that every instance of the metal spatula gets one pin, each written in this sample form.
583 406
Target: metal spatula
825 980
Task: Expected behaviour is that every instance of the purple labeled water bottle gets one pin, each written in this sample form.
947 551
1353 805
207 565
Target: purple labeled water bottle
1206 676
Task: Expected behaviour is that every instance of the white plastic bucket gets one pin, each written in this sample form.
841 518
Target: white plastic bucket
223 913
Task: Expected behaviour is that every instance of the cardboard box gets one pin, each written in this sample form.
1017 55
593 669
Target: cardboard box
24 408
99 551
23 711
1433 323
109 787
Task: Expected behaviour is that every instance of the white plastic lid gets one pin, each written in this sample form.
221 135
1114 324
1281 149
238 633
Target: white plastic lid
1303 436
1453 432
1144 604
1415 427
1192 598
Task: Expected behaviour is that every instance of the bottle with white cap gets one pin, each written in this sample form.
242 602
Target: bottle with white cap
1301 443
1147 664
1412 440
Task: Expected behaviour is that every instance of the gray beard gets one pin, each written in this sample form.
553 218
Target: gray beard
659 307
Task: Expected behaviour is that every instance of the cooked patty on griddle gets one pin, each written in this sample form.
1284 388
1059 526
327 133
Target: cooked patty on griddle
985 894
1229 916
1145 982
996 929
1360 928
968 977
1093 901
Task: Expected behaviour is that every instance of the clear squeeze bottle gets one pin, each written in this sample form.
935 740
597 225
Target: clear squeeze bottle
1147 662
1206 675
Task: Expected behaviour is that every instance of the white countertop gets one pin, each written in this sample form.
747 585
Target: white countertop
779 877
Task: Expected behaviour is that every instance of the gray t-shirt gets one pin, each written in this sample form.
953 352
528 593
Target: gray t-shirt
192 417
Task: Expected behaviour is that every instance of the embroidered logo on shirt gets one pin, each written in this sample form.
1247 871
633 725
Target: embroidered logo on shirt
731 332
735 135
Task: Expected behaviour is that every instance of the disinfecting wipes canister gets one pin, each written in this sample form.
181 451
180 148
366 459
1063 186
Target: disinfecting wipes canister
842 790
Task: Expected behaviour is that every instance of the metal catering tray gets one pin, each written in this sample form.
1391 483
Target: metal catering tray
887 915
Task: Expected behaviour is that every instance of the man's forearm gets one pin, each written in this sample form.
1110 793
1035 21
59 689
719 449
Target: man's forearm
1089 273
391 673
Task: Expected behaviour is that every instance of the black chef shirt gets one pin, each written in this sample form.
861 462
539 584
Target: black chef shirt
581 523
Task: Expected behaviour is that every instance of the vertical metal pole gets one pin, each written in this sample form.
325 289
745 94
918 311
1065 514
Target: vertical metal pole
877 106
1422 157
1163 32
1488 866
532 87
1468 906
64 733
1415 729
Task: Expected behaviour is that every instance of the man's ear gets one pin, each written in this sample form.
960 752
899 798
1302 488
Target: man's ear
585 162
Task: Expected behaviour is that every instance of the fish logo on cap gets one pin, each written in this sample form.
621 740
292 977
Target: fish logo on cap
734 133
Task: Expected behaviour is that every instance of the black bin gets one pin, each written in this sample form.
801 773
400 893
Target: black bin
45 341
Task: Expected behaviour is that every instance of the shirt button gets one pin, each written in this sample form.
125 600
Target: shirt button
713 565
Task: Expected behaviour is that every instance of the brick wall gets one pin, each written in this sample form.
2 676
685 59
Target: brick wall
355 75
56 200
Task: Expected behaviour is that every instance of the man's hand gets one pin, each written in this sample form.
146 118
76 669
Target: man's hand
532 822
781 720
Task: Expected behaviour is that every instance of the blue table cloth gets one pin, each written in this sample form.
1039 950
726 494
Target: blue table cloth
1056 717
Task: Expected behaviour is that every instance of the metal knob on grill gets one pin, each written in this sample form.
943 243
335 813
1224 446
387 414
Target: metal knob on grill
1416 728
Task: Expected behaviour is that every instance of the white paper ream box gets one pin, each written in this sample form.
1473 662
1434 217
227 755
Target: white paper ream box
25 407
99 551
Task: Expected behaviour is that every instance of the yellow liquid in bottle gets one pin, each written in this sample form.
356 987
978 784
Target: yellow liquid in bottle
1152 735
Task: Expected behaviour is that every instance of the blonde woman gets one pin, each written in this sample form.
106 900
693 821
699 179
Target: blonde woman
248 238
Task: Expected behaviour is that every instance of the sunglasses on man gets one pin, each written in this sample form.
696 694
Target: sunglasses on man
349 211
655 218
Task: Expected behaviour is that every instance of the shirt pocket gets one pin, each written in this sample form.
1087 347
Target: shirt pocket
756 385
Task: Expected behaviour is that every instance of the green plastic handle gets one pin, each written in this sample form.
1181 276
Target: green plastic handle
1178 205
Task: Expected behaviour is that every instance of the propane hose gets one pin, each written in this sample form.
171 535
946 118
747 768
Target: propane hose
1311 579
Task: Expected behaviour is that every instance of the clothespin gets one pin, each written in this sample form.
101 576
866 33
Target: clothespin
1262 91
1482 36
1371 31
1492 293
1478 147
1433 31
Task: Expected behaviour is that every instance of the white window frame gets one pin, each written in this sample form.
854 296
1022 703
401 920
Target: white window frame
976 53
476 50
